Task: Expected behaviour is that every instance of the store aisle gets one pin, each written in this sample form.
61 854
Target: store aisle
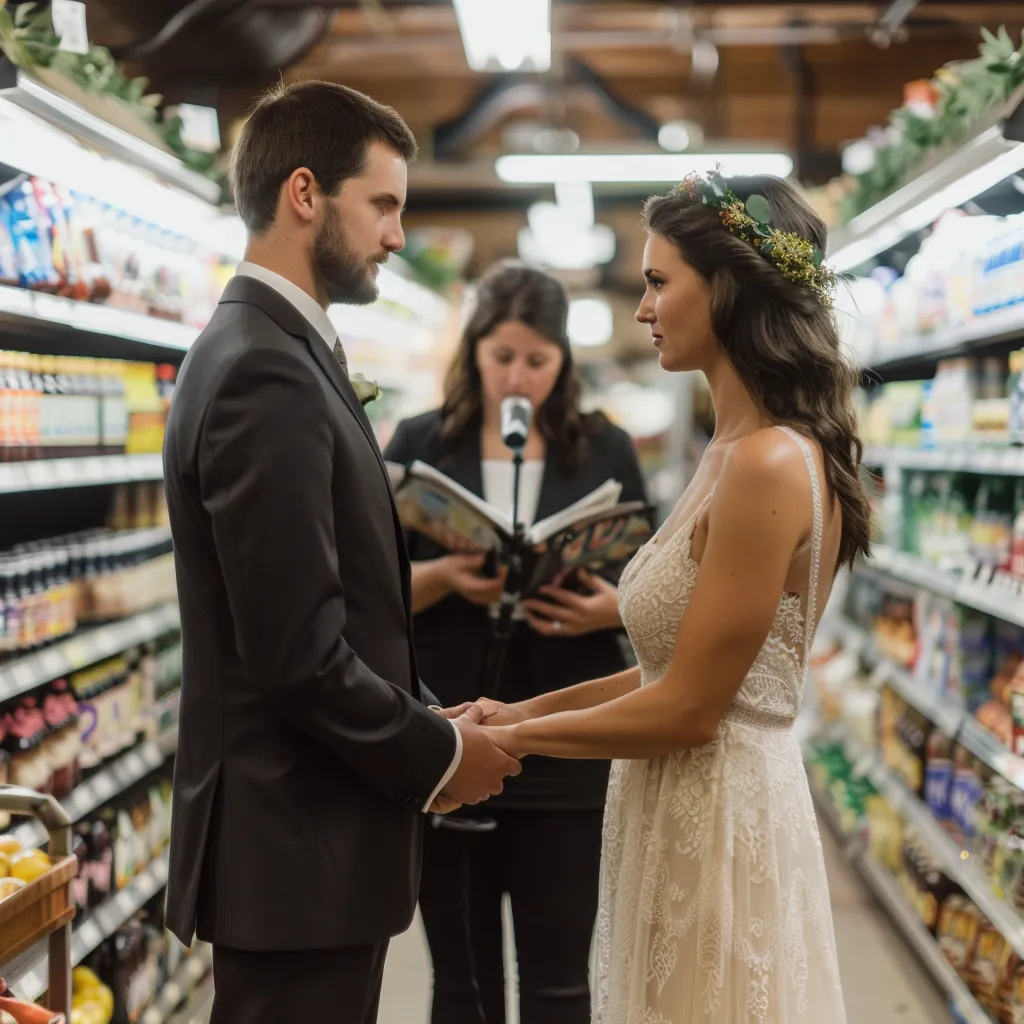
882 980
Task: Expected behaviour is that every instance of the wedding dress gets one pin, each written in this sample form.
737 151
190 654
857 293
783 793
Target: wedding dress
714 902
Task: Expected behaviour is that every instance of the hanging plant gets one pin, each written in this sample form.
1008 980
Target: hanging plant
28 41
966 90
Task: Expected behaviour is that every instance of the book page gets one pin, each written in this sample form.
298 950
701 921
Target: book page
433 504
604 497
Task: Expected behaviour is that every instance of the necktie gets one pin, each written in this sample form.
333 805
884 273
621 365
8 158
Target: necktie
339 354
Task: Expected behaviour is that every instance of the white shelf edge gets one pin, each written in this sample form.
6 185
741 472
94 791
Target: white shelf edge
99 925
999 461
89 471
989 598
66 656
116 778
885 887
85 316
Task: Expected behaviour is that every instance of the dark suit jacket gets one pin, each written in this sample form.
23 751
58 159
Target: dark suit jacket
452 636
305 753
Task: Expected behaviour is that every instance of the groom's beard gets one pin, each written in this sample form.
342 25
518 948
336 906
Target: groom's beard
340 273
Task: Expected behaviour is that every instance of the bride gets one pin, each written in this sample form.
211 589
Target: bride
714 902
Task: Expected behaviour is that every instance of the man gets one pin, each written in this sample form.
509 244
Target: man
307 753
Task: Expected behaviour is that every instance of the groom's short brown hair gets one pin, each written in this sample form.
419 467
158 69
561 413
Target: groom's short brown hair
319 125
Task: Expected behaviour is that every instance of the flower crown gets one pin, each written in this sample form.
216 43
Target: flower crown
797 258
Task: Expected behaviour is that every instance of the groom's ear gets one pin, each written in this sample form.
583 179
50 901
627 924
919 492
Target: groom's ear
300 195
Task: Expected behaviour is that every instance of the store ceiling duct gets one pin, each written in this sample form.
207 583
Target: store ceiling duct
994 154
506 35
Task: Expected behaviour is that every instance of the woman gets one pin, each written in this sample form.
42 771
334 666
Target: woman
545 851
714 902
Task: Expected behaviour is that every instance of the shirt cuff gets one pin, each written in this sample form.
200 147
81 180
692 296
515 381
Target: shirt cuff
452 769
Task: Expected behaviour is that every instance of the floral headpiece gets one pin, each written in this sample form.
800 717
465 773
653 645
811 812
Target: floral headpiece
797 258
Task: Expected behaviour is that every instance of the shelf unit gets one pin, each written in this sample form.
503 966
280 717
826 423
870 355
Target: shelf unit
998 595
28 978
185 981
945 712
995 461
85 648
89 471
887 891
107 783
20 308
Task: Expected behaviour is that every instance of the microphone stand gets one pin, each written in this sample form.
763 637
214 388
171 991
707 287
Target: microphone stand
494 666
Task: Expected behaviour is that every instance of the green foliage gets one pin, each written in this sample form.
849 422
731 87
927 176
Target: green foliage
27 40
965 92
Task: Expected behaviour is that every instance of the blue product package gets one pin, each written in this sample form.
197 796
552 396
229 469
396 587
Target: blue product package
965 793
938 787
32 271
8 256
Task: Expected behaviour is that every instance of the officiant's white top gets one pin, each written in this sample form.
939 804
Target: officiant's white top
317 316
498 476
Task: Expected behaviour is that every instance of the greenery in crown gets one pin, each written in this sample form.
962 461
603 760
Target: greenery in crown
797 258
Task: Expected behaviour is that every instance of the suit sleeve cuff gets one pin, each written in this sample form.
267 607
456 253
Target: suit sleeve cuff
452 769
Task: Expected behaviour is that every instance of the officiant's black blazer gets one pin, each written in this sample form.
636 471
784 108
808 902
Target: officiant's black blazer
305 752
452 636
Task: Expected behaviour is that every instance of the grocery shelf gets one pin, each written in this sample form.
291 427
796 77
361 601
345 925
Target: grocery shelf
29 982
949 178
89 471
85 648
30 94
987 329
955 861
945 712
117 777
21 307
998 595
995 461
886 889
180 985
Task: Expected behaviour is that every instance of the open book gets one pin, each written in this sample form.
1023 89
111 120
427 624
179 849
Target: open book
593 533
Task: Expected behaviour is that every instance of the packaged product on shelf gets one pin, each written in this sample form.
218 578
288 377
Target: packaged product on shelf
8 255
60 710
894 629
147 416
992 524
885 832
991 412
955 390
35 264
999 806
1010 1006
939 776
960 924
993 960
26 733
905 399
969 778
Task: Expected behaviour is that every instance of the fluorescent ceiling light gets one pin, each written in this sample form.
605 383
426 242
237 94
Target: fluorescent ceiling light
506 35
532 169
878 229
590 323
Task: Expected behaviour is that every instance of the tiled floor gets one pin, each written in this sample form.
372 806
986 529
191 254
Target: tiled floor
882 981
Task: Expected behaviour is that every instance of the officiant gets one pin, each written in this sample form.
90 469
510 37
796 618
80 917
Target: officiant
545 851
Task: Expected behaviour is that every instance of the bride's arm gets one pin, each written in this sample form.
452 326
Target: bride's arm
760 513
580 697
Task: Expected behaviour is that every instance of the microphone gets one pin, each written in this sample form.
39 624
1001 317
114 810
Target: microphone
516 413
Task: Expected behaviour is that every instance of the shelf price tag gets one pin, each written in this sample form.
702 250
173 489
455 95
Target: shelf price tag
69 25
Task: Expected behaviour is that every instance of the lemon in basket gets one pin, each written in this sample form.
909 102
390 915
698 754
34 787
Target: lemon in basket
30 865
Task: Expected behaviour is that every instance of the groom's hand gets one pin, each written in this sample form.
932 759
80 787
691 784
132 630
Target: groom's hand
484 765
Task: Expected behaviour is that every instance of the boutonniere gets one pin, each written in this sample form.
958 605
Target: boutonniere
367 391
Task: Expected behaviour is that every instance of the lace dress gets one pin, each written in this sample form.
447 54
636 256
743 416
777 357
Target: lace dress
714 902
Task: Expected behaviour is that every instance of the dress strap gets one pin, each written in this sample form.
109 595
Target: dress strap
810 617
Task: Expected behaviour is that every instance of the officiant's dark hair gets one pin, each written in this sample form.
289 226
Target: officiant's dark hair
320 125
514 291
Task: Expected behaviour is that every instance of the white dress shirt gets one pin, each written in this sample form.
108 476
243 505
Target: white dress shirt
499 475
317 316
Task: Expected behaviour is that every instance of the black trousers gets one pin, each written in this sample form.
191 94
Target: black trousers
549 864
335 986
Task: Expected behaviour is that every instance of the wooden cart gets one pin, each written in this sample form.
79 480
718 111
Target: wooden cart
45 908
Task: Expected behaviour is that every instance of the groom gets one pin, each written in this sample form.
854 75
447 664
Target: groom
307 753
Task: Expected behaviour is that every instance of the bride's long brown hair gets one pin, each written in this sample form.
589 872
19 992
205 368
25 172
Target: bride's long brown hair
778 337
